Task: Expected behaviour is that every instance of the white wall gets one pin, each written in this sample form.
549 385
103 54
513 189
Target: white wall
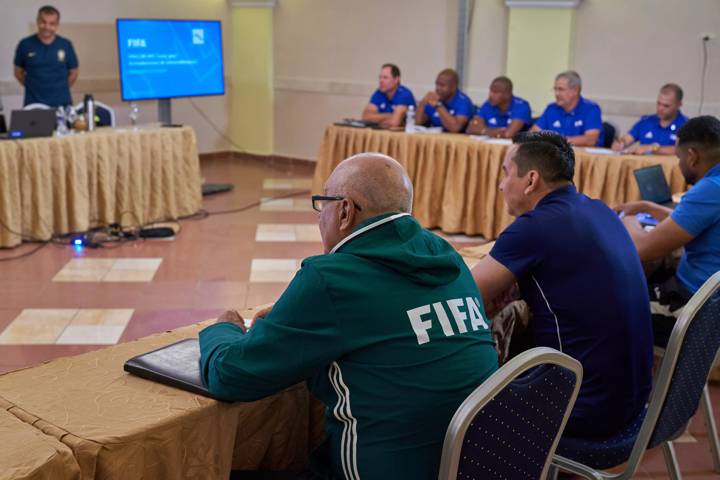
90 25
328 52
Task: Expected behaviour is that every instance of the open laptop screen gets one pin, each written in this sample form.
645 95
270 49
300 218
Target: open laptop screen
652 184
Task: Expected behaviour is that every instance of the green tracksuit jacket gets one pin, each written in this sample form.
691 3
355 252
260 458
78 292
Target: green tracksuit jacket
390 333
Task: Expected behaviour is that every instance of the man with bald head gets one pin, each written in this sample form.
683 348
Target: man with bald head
446 107
387 327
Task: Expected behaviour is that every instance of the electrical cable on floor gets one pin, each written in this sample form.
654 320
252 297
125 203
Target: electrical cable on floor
222 135
115 234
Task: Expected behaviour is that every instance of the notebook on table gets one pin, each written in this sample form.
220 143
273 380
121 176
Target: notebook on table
176 365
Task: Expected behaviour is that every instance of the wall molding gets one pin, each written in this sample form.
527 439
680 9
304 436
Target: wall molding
611 105
252 3
542 3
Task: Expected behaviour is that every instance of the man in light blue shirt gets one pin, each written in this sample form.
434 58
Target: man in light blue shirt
656 134
390 102
503 114
694 224
447 106
577 119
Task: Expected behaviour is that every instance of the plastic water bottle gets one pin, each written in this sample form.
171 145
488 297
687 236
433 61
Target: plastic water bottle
134 114
410 119
89 102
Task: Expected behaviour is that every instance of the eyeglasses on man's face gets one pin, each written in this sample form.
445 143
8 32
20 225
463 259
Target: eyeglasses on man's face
319 201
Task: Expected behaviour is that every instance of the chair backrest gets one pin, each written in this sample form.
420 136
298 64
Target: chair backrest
689 356
36 106
607 134
105 113
510 425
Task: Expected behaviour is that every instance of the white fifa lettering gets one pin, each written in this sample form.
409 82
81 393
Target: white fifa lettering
420 326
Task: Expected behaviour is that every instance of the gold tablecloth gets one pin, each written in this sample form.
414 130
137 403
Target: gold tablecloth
28 454
120 426
64 184
456 176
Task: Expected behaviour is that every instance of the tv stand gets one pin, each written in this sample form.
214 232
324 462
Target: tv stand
164 111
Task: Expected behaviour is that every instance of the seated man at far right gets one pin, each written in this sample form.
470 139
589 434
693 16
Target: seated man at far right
694 224
656 134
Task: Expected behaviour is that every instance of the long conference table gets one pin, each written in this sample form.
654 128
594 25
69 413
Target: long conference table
58 185
456 176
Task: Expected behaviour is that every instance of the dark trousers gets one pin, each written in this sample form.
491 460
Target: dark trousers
667 297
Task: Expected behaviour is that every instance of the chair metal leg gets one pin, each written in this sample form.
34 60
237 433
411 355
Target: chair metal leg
711 428
671 461
552 472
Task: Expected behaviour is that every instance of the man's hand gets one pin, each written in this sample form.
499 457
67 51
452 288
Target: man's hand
639 149
630 209
431 98
232 316
618 145
262 313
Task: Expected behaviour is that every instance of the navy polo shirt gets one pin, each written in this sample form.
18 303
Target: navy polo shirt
46 67
459 105
581 276
403 96
648 130
519 109
698 213
585 116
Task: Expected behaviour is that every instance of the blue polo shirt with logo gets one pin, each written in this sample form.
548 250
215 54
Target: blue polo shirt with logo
46 68
699 214
581 276
494 118
585 116
648 130
459 105
403 96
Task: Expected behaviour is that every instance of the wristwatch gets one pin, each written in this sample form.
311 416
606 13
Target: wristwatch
655 147
439 104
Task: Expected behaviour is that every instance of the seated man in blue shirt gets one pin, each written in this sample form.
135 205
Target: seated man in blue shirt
579 120
694 224
581 277
446 107
389 104
45 63
503 114
656 133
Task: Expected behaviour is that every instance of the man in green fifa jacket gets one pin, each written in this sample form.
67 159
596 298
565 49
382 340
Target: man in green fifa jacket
388 328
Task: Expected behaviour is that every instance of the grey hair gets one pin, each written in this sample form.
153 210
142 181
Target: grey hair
572 77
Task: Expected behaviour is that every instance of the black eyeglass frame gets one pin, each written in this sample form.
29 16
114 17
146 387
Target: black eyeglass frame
331 198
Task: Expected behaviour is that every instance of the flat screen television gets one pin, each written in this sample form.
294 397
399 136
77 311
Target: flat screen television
163 59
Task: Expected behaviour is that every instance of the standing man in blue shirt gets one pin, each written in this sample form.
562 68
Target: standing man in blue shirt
656 134
579 120
45 63
694 225
581 277
503 114
447 106
390 102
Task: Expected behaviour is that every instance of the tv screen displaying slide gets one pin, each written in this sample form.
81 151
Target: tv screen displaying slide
169 58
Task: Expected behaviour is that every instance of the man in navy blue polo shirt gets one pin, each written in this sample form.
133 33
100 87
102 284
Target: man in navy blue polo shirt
694 225
447 106
390 102
581 277
45 63
503 114
656 134
579 120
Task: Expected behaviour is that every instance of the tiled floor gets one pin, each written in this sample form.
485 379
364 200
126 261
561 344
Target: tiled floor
61 301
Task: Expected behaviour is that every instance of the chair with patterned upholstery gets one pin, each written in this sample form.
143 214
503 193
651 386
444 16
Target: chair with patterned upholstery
103 111
510 425
679 386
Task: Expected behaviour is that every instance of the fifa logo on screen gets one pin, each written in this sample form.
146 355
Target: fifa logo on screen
136 43
198 36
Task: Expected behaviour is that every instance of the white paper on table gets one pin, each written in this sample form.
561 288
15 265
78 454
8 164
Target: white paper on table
600 151
421 129
499 141
482 138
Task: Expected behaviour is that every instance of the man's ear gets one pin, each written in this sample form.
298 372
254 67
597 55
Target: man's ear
533 182
693 156
346 214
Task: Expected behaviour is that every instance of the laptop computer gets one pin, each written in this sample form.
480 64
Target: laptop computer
176 365
653 186
3 125
31 124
